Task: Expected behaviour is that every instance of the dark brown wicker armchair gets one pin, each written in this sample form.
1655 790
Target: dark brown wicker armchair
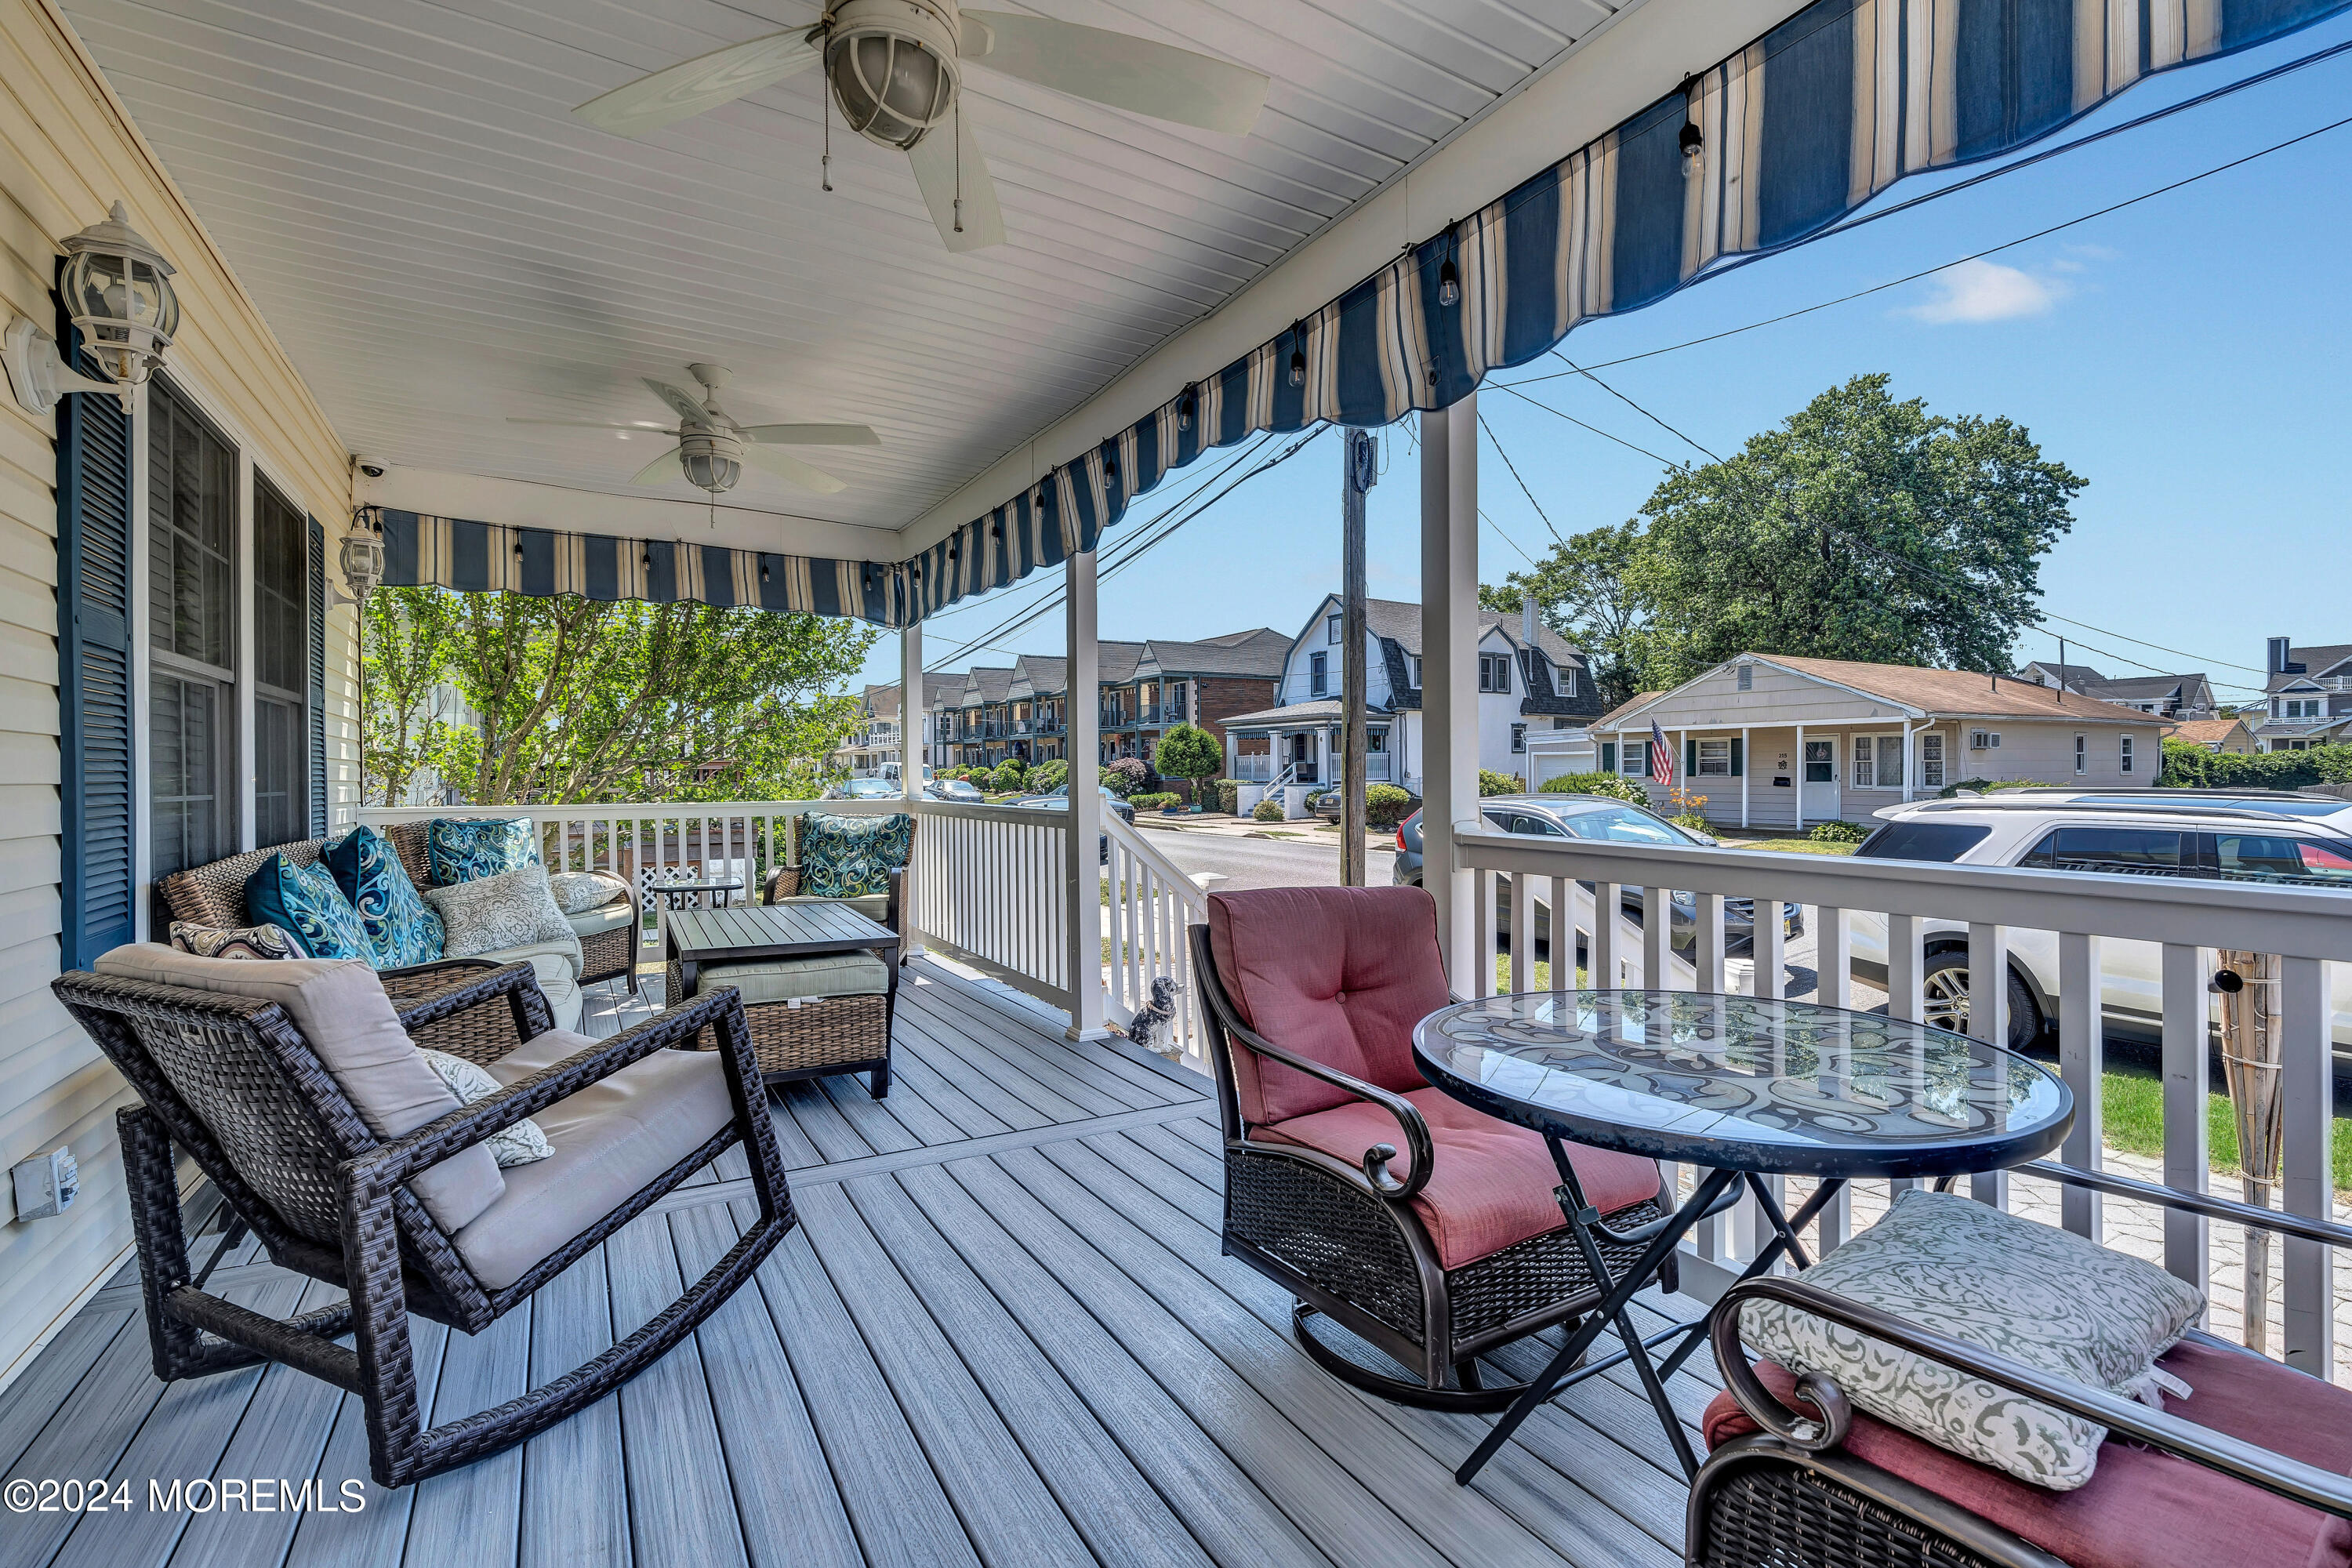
1436 1256
230 1080
2250 1466
784 882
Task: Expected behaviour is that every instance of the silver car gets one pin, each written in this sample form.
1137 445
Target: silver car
2249 835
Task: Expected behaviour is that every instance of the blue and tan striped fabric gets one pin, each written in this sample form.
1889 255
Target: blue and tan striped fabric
1800 127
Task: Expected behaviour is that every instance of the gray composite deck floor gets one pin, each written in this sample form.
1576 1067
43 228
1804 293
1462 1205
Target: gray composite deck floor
1002 1335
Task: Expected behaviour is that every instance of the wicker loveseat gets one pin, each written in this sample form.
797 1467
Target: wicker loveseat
214 895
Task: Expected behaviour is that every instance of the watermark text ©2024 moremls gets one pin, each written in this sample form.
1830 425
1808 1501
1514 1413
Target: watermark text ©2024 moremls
203 1494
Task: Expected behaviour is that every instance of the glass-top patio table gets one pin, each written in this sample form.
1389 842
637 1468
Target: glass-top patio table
1743 1087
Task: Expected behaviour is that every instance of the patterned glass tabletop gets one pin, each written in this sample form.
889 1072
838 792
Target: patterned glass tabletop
1745 1083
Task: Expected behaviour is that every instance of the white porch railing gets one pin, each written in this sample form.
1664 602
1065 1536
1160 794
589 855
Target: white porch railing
988 884
1149 900
1975 909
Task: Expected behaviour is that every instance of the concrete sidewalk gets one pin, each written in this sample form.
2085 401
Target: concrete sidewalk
1217 825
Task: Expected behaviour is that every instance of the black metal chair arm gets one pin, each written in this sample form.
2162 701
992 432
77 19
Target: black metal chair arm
2290 1478
463 1128
1408 1115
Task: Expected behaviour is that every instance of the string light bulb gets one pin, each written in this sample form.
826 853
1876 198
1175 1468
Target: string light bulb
1298 353
1185 407
1693 139
1449 284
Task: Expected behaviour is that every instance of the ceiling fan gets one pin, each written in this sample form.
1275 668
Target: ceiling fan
712 448
895 68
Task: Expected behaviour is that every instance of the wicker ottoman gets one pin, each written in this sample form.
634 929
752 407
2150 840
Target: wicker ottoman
810 1016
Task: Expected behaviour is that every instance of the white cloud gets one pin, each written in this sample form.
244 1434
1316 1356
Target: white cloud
1972 291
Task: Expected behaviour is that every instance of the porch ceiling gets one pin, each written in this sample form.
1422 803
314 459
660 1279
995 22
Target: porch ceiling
440 246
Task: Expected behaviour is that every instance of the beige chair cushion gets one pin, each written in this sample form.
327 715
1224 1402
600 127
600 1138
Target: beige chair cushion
787 979
611 1141
558 966
341 1008
875 907
597 921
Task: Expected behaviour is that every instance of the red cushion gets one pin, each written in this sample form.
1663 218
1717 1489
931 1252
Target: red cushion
1491 1182
2141 1507
1337 975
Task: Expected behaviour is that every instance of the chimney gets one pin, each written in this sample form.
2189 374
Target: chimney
1527 619
2279 649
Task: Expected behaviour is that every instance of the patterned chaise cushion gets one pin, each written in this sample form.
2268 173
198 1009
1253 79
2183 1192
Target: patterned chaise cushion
242 941
849 857
402 928
305 902
511 910
465 850
2040 1296
519 1144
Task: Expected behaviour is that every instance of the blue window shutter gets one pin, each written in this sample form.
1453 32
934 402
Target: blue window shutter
318 743
94 674
1738 757
1690 758
1607 756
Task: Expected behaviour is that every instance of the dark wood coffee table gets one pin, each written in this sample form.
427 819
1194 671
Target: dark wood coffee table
829 1035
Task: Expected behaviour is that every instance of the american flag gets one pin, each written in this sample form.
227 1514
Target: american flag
1662 756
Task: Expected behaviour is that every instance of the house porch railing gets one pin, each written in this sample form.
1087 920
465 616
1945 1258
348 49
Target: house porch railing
1929 908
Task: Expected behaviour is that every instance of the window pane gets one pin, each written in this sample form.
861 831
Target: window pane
278 816
1890 762
2134 851
1865 773
1931 762
184 773
1714 758
1945 841
2268 857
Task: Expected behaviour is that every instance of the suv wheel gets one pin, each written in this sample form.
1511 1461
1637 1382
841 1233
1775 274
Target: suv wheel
1945 990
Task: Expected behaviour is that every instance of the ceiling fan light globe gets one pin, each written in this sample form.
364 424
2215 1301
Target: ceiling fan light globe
893 71
712 461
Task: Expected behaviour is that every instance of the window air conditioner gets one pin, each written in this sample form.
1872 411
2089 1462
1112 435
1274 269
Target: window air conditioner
1984 740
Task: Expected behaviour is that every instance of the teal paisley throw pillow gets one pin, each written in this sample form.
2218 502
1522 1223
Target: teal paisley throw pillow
305 902
850 856
400 928
466 851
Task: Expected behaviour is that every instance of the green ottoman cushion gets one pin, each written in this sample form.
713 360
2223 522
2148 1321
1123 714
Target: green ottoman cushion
597 921
790 979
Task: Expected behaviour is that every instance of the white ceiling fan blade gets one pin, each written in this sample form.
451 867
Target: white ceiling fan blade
793 471
686 89
653 473
681 404
595 424
935 159
810 435
1118 68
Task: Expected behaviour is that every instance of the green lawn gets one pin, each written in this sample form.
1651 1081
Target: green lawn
2132 1101
1792 846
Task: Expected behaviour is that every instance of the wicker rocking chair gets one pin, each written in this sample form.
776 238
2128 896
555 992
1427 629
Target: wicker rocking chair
1308 996
226 1076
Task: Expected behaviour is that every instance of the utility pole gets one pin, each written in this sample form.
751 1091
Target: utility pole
1361 465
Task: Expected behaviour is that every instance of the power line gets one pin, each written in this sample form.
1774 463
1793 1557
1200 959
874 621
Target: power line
1632 404
1512 389
1523 483
1931 272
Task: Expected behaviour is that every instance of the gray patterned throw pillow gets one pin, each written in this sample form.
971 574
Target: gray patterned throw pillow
577 892
2053 1300
492 913
521 1145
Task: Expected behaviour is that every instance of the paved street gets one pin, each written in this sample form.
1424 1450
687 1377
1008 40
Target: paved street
1312 859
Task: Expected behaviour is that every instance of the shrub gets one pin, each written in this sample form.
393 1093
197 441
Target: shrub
1229 796
1493 782
1609 784
1690 821
1839 831
1156 800
1385 805
2188 766
1133 774
1268 810
1189 753
1009 775
1049 775
1989 786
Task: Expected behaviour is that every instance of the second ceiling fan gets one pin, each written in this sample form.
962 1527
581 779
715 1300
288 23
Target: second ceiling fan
895 68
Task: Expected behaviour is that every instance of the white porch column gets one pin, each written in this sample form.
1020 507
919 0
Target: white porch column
911 756
1746 766
1800 778
1908 766
1449 673
1082 959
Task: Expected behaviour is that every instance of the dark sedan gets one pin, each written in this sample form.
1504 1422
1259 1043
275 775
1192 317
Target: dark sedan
1596 817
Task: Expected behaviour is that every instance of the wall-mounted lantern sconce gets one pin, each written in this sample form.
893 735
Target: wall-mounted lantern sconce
117 292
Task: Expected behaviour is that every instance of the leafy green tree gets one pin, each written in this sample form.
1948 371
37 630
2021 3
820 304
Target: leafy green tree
572 700
1189 753
1049 774
408 638
1860 528
1008 775
1583 592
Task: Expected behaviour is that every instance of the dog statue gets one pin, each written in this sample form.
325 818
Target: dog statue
1154 1026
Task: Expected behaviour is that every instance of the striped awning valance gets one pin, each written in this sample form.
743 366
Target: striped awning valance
1798 130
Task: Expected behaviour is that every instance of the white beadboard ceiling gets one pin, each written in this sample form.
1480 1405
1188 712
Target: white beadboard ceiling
440 246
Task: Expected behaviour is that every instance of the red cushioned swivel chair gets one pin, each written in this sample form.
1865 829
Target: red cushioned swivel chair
1434 1255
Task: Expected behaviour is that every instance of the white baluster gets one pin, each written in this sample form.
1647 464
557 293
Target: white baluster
2308 1187
1657 937
1907 994
1989 1022
1482 894
1706 947
1606 966
2186 1151
1523 931
1770 947
2082 1050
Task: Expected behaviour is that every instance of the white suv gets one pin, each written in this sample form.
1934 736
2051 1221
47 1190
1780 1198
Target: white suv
2247 835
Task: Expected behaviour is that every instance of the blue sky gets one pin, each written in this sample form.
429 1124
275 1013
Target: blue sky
2187 355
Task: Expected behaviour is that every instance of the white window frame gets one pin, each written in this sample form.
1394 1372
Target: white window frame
1721 754
1867 756
1500 663
1518 739
2082 753
1416 671
1931 759
1331 633
2124 753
